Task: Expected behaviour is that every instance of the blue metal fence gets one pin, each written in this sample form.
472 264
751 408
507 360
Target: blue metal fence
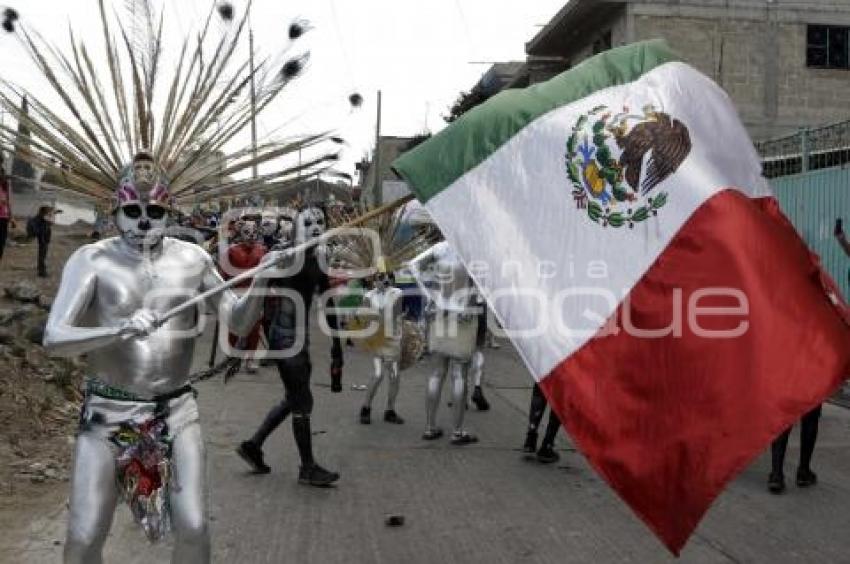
812 201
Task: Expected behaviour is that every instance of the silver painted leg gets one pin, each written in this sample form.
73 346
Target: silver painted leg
378 377
391 368
459 387
93 499
188 500
435 386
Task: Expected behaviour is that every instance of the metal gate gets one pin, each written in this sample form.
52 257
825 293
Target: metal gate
812 201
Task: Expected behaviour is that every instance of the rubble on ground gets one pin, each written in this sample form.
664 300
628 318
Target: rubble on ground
39 396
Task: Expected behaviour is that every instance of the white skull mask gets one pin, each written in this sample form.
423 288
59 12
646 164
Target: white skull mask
248 231
141 225
309 224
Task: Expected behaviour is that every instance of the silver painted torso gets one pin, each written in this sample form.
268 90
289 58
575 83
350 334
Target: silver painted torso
454 290
387 302
105 283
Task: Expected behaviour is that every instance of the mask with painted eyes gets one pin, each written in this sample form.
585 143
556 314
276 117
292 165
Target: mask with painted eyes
142 203
141 225
309 224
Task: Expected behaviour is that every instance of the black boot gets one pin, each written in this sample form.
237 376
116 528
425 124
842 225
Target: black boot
365 415
479 400
806 478
315 475
776 483
253 455
547 454
390 416
530 445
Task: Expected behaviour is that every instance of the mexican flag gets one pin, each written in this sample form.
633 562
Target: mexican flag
617 221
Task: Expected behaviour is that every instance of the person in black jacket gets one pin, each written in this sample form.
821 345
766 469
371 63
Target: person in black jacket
284 330
41 229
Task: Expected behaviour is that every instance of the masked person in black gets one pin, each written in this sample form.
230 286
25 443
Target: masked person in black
281 320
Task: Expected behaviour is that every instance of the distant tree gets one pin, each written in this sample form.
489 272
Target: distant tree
465 102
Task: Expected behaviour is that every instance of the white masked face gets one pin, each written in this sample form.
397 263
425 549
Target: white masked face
309 224
384 280
141 226
248 231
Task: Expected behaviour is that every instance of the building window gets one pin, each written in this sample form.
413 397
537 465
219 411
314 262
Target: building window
828 47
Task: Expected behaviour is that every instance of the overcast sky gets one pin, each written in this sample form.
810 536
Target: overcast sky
418 52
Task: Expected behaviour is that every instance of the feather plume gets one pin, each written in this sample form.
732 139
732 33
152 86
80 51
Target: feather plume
204 106
399 242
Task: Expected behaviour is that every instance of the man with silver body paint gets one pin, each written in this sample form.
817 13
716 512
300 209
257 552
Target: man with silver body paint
451 334
107 307
283 328
385 301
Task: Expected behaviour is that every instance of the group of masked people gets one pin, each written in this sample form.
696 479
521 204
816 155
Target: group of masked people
139 440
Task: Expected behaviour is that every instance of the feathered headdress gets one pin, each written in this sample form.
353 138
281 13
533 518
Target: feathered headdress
399 241
108 120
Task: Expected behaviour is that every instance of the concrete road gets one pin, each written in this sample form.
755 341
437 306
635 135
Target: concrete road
480 503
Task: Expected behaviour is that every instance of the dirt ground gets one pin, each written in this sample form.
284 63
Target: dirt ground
39 397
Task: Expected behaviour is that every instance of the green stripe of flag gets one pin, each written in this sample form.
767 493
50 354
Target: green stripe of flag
436 164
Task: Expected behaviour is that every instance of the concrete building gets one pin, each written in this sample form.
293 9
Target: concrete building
390 185
785 63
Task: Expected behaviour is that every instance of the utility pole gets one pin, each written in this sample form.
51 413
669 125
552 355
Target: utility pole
376 160
253 105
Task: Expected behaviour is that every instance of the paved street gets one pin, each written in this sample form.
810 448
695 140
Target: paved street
482 503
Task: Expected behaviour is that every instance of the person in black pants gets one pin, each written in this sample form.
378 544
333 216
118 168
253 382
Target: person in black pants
808 437
547 453
282 329
42 231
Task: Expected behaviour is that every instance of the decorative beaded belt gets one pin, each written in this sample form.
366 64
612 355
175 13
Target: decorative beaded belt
97 388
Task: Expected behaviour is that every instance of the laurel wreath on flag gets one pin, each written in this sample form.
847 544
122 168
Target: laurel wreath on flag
608 170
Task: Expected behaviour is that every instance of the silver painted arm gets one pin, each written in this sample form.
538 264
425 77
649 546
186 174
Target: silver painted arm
238 313
62 335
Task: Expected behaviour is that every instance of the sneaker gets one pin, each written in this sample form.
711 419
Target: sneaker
317 476
776 483
253 455
463 438
390 416
479 400
547 455
806 478
530 445
432 434
365 415
250 366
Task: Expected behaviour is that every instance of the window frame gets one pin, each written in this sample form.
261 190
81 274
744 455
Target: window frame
828 31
